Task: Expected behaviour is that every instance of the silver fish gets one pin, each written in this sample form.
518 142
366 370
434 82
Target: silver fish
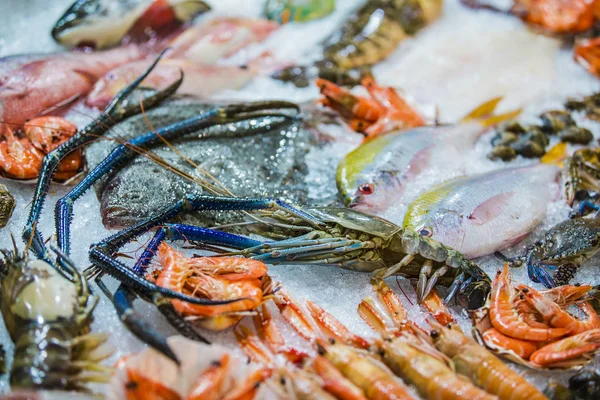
373 176
480 214
266 164
104 23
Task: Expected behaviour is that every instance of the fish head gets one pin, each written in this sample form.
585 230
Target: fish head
373 194
446 226
363 185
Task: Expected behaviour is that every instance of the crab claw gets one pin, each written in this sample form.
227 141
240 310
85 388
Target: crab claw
538 271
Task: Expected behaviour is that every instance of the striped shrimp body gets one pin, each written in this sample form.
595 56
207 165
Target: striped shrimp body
482 367
411 355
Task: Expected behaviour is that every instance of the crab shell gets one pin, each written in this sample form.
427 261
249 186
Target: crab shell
481 323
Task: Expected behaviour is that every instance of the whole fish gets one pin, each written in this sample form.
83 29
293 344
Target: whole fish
200 81
33 85
219 38
106 23
373 176
257 165
484 213
194 52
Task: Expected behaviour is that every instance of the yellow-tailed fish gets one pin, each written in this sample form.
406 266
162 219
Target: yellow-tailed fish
372 177
484 213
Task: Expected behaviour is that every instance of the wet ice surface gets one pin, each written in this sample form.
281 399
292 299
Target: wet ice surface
465 58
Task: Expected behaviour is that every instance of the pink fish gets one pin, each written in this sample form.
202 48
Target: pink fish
220 38
200 81
30 86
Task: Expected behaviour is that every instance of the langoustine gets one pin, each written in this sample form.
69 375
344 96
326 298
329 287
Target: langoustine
410 353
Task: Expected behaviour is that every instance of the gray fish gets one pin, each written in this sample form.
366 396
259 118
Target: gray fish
104 23
259 165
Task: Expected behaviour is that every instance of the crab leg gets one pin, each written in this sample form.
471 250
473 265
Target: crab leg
101 254
124 297
118 110
126 152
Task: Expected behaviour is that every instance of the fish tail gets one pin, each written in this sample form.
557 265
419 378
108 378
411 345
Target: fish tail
484 113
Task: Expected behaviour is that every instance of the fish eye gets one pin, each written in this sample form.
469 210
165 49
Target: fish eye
426 231
366 188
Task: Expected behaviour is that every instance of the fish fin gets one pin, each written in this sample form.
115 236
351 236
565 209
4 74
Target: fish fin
555 155
490 208
484 113
483 110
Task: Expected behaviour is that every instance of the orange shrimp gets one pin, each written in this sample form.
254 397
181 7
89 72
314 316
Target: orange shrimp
262 351
505 318
566 295
481 366
248 389
557 16
414 358
494 339
230 268
209 384
333 328
557 317
587 53
69 165
18 157
566 349
139 387
179 276
47 133
399 115
374 379
348 104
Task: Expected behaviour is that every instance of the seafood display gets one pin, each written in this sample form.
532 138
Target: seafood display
369 35
432 255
